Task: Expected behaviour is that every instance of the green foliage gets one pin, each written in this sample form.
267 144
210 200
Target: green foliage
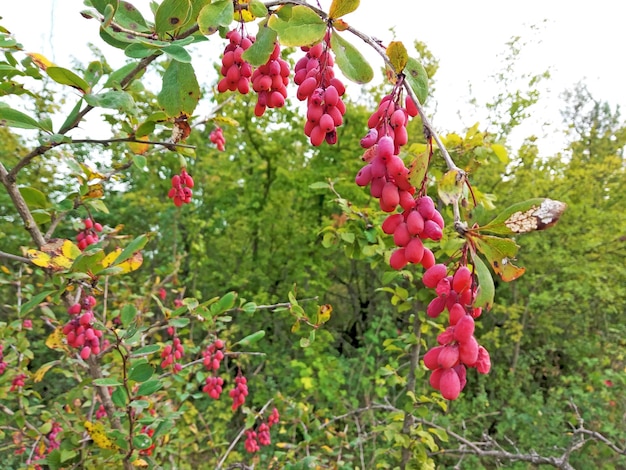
282 259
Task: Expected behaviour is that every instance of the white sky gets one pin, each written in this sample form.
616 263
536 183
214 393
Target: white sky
576 40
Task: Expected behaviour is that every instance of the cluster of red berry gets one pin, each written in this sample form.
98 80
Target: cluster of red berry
262 434
236 72
18 382
239 392
213 356
217 137
79 331
270 82
171 354
180 192
89 234
409 228
457 347
322 91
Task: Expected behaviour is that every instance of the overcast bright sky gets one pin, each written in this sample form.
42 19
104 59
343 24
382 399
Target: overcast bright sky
576 40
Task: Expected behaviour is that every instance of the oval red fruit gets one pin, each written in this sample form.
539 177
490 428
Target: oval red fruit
464 329
450 384
434 274
431 358
456 313
468 352
435 307
462 279
448 356
401 235
391 223
398 260
428 260
414 250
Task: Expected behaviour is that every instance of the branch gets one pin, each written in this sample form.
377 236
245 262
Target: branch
11 257
130 139
22 208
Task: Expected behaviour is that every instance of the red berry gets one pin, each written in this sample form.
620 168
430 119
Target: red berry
434 274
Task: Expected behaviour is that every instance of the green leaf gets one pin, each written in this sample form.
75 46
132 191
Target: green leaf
116 77
171 15
180 92
319 185
526 216
249 307
13 118
138 50
129 17
101 5
36 300
298 26
250 339
128 314
225 303
34 198
180 322
140 372
178 53
258 9
350 61
499 252
140 161
214 15
261 49
486 288
417 78
107 382
149 387
94 72
142 441
119 397
147 350
88 262
67 77
132 248
119 100
341 8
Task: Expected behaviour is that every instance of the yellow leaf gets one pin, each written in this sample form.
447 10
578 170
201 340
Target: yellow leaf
131 264
55 341
323 313
39 258
95 191
98 435
139 148
58 255
340 8
398 55
40 61
340 25
140 463
38 376
226 120
243 14
109 259
5 270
